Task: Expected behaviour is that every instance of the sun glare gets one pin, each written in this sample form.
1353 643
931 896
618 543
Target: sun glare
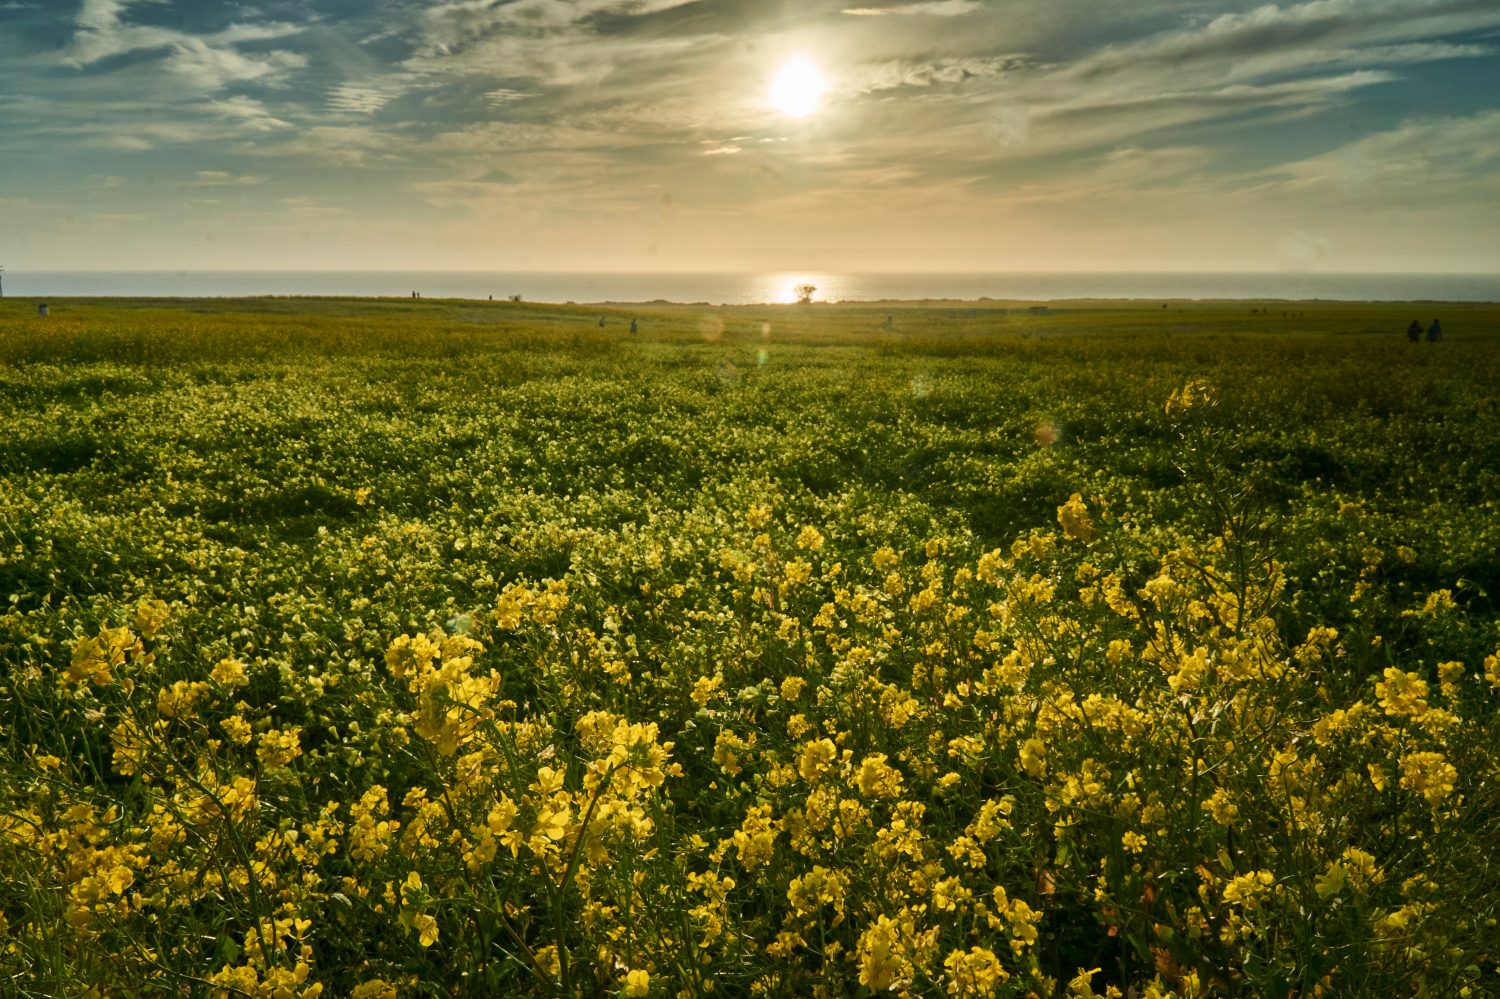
798 88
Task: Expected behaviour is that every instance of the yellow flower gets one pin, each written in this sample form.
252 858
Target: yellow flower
1196 394
278 747
548 962
1402 693
1222 807
876 779
94 658
637 982
427 930
1082 985
1247 889
1428 774
238 730
1033 756
150 617
880 963
975 973
816 759
817 888
230 673
1075 520
755 840
758 516
1437 603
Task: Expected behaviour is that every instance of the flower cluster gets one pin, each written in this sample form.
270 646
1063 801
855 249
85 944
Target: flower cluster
476 719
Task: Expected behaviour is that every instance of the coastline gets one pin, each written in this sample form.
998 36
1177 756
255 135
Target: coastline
642 290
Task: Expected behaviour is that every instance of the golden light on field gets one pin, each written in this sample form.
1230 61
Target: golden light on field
797 89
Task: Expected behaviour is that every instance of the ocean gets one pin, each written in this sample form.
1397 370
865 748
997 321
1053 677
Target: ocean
751 289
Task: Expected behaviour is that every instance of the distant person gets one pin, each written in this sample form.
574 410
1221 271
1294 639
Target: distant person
1434 332
601 322
632 326
41 310
889 322
1414 331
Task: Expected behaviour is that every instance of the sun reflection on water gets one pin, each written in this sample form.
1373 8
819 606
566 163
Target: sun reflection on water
781 289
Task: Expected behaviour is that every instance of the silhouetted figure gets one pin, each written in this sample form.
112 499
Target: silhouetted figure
632 326
889 323
601 322
1414 331
41 310
1434 332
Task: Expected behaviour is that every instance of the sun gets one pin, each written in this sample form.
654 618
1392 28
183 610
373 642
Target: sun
798 88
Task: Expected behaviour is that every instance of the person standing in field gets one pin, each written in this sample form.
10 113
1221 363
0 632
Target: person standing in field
1434 332
1414 331
632 326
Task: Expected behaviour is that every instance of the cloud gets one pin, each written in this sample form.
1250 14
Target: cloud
932 8
213 68
1441 158
1268 62
1134 165
210 61
568 119
120 143
359 100
449 27
504 97
223 178
898 73
249 112
306 208
1274 38
343 145
573 58
1196 104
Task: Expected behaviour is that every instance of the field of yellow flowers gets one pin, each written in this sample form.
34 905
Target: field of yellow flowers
454 649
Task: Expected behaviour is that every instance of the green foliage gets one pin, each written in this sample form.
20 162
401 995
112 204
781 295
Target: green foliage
447 648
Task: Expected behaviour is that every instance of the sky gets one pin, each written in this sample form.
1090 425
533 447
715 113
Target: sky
652 135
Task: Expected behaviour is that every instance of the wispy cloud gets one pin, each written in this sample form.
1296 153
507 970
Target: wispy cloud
249 112
223 178
504 97
1442 158
899 73
211 61
933 8
450 27
359 100
1272 38
211 67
